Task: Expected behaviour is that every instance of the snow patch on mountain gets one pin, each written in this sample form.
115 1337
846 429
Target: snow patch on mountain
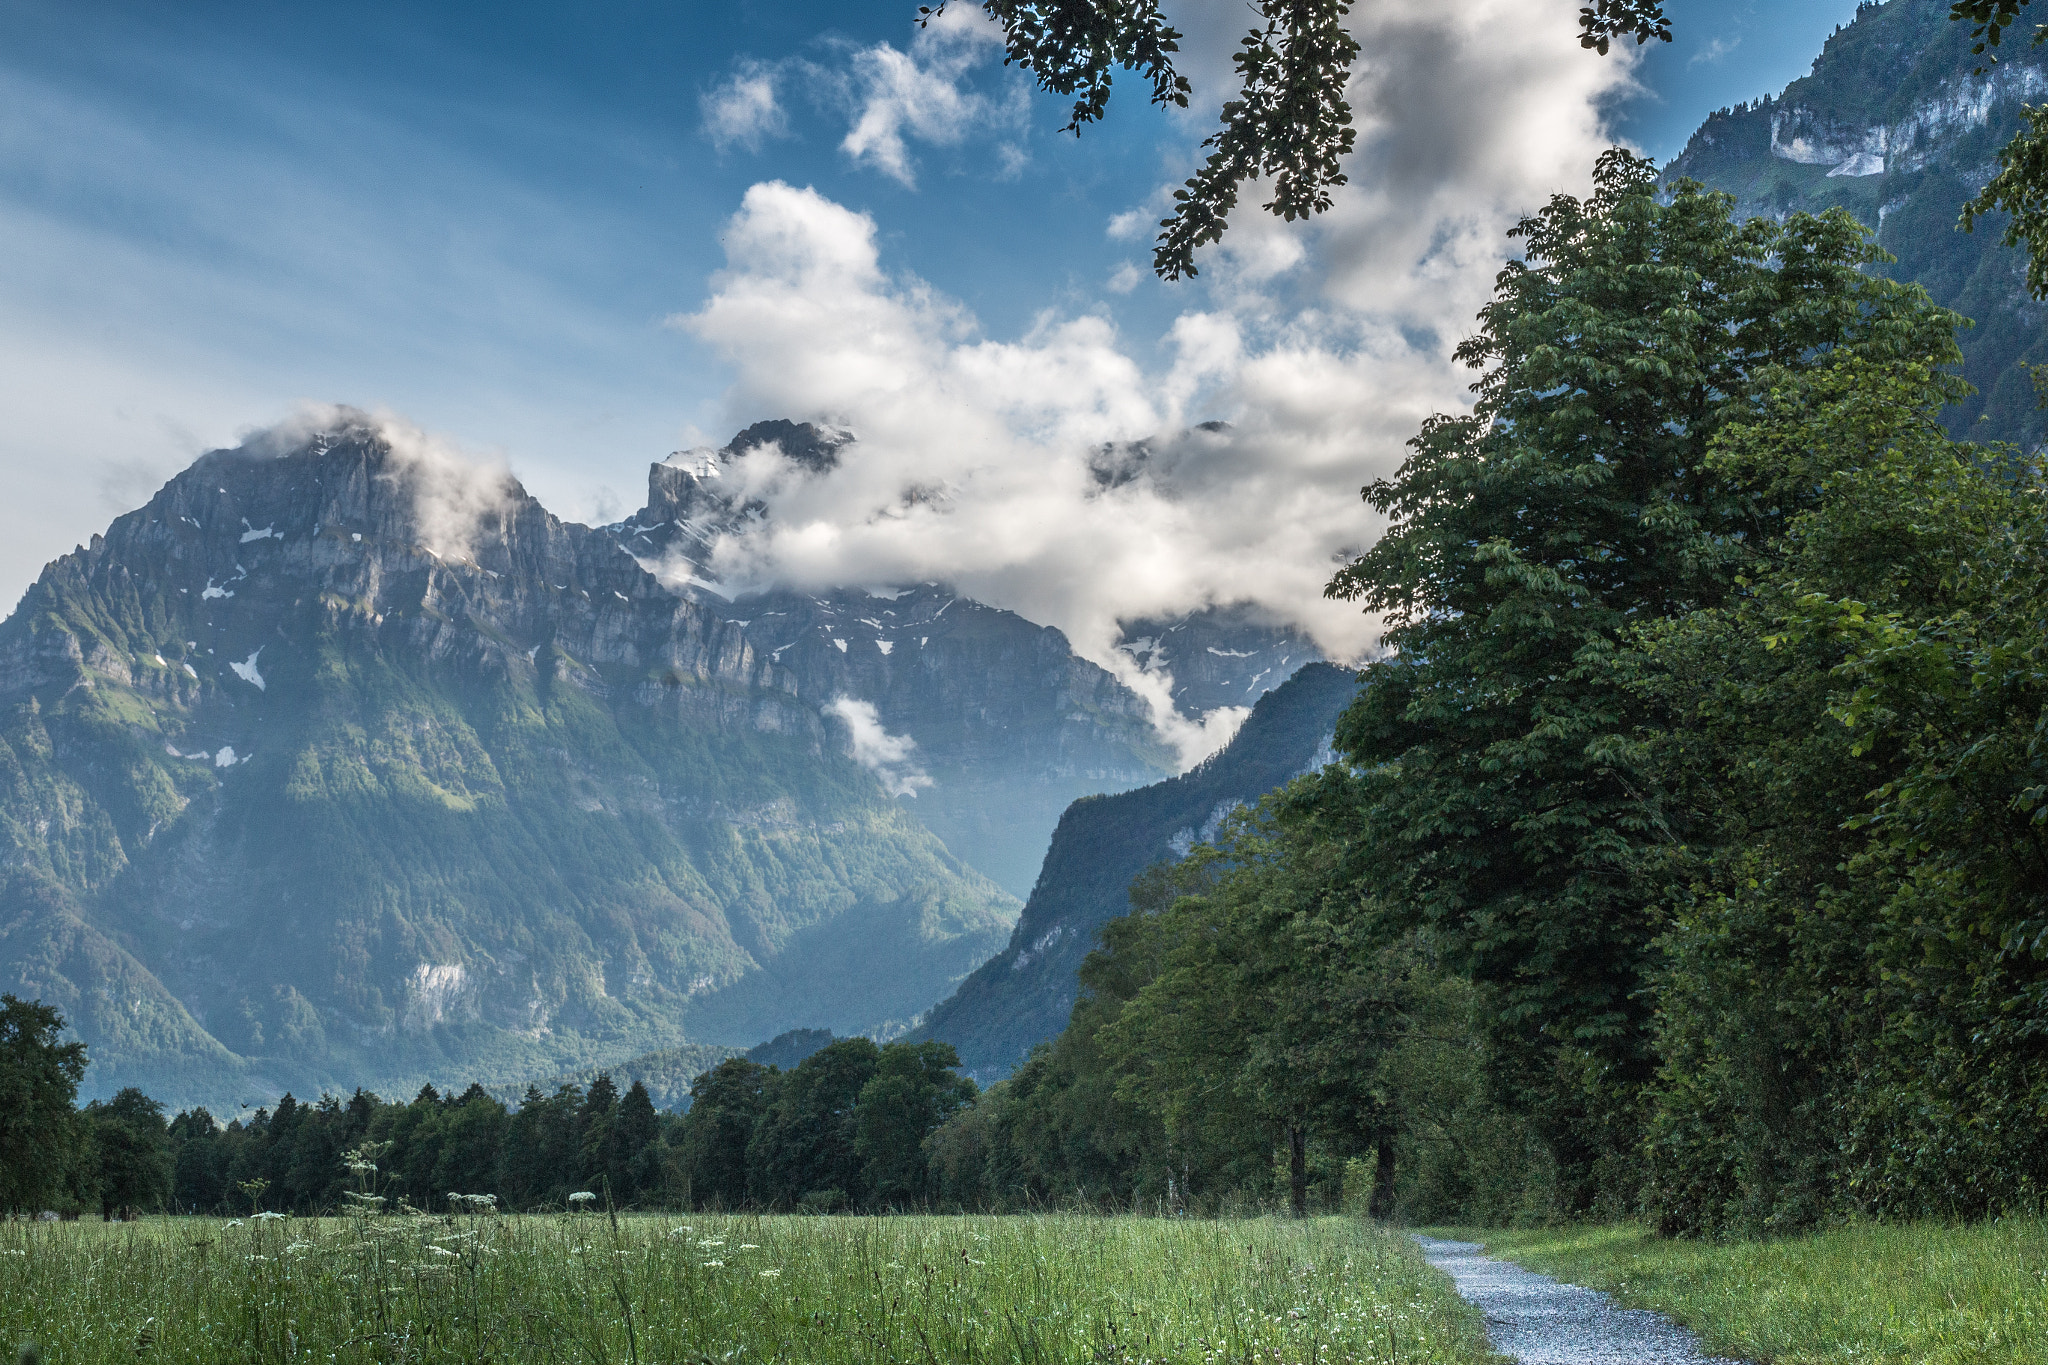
246 670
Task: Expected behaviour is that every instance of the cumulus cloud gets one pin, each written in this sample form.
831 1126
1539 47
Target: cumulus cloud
888 756
1056 474
744 110
920 94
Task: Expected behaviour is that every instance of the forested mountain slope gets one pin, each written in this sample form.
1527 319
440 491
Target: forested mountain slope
1023 995
338 764
1893 126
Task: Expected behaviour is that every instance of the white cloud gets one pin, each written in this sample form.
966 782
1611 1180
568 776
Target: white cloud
1124 278
459 496
874 748
1130 225
1054 473
920 95
744 110
1714 51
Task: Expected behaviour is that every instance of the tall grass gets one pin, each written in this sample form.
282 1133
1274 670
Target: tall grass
729 1290
1920 1292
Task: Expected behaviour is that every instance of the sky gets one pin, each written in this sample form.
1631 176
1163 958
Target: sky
573 239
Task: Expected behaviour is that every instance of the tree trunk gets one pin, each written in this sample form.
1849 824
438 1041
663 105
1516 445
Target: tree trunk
1297 1170
1382 1203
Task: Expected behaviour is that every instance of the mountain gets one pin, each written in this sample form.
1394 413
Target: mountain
1024 994
1010 726
1894 126
341 763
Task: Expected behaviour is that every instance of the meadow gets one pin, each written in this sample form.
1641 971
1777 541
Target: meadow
1932 1293
590 1287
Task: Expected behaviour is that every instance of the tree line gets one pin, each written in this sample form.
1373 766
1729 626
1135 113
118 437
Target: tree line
1688 857
842 1130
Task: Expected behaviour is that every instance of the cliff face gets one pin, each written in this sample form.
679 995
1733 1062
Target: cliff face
341 764
1894 126
1024 994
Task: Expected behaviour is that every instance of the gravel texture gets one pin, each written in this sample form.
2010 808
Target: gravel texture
1538 1321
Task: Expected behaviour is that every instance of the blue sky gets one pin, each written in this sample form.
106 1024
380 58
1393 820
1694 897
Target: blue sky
488 217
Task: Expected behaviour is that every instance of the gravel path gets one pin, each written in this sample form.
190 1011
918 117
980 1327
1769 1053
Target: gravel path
1541 1322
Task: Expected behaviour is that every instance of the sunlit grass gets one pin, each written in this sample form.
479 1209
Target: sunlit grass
729 1290
1920 1292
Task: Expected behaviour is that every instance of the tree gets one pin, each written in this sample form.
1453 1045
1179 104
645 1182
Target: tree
1846 1003
199 1163
1278 993
1574 504
803 1147
472 1148
914 1090
1289 122
131 1153
726 1103
630 1154
39 1079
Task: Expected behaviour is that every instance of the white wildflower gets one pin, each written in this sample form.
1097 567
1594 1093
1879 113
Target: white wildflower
749 1246
440 1251
712 1265
582 1197
771 1274
267 1216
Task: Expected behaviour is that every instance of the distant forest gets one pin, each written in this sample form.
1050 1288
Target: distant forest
843 1130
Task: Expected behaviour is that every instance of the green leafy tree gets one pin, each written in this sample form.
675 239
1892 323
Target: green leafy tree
199 1162
1843 1013
472 1147
39 1078
914 1090
131 1151
804 1144
1273 1003
1575 503
726 1103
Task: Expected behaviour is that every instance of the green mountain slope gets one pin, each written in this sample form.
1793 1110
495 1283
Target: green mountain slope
1893 126
338 764
1023 995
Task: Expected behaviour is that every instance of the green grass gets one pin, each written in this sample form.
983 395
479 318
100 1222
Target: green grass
1920 1292
727 1291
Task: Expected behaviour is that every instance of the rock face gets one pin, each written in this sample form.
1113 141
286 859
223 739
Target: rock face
1895 127
339 764
1010 725
1023 995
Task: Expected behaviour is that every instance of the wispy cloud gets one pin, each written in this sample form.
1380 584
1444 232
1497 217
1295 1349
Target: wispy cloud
1714 51
745 109
887 756
921 95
